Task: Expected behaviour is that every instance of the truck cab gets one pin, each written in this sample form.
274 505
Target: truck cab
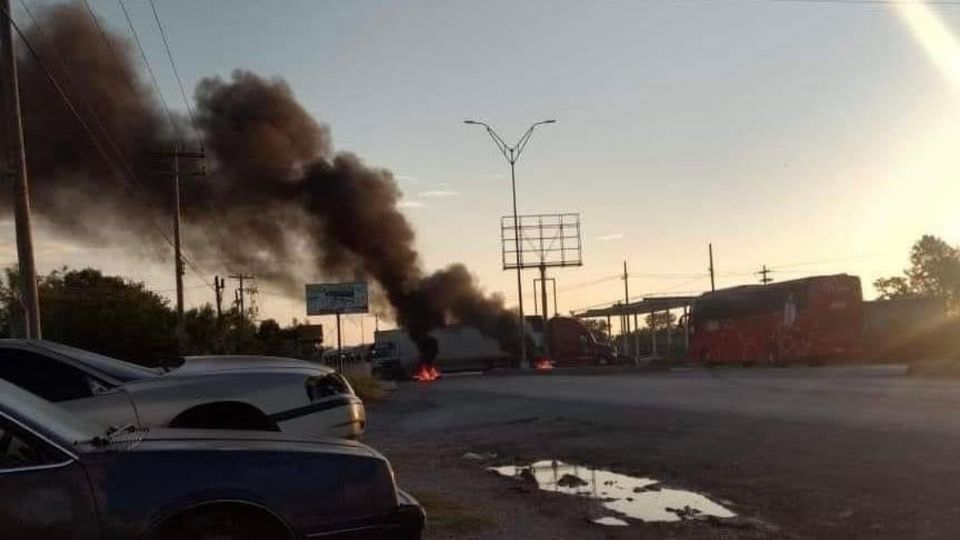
571 342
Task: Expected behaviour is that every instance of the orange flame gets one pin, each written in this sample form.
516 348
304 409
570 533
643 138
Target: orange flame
543 364
426 372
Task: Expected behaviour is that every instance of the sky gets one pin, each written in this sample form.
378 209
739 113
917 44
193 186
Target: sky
811 137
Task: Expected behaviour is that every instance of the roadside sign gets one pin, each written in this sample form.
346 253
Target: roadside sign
333 298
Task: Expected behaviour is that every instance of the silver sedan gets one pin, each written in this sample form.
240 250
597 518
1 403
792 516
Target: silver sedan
217 392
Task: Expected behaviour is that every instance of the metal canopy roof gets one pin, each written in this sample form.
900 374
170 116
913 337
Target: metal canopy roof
647 305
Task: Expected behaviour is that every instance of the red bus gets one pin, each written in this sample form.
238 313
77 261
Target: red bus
815 319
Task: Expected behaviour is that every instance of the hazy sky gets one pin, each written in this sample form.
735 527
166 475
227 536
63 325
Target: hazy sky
783 132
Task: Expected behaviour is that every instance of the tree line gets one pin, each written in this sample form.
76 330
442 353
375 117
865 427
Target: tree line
120 317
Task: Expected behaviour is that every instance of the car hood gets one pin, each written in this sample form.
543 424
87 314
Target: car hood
202 365
166 439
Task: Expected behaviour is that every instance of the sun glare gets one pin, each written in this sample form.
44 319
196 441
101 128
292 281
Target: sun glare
934 35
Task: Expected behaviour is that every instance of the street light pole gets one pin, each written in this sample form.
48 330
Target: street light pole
512 154
516 236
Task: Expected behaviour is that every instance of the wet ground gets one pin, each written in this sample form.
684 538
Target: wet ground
614 499
800 452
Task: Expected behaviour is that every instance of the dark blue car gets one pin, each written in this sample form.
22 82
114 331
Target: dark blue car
63 477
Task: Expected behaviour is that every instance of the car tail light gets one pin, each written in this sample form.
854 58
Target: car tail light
327 385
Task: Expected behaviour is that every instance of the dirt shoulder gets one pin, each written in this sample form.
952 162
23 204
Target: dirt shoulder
785 478
464 500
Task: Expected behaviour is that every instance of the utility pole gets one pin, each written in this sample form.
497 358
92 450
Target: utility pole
543 292
713 285
626 302
16 166
543 309
764 275
176 154
218 286
553 281
241 277
339 344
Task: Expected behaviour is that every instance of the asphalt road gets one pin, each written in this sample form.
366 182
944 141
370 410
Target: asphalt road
817 452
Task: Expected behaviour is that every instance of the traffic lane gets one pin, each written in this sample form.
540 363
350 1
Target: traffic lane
818 479
871 396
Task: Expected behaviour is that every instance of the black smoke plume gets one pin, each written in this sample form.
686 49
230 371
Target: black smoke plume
275 189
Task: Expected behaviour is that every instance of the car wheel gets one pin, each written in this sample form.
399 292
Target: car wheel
222 522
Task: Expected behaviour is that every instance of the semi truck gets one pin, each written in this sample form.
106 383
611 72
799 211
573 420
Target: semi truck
459 348
464 348
570 342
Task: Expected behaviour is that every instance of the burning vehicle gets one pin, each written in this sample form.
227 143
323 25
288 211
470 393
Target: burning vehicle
447 349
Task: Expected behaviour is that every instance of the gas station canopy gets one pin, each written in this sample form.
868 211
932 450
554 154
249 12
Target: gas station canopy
644 306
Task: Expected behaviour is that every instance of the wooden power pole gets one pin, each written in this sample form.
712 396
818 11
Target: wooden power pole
16 166
625 327
713 284
218 286
241 278
176 154
764 274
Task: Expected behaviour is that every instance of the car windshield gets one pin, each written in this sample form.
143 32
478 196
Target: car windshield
41 414
118 369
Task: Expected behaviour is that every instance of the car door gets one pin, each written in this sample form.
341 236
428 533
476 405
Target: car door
61 382
44 489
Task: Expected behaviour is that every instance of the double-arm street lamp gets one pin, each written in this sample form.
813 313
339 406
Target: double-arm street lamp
512 154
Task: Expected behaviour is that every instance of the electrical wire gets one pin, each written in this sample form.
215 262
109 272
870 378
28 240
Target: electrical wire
221 240
146 62
780 267
590 283
176 73
83 101
116 58
943 3
58 88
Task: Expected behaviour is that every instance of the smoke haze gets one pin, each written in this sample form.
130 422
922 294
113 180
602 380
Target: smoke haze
275 187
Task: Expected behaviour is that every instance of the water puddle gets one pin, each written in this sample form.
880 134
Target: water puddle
615 495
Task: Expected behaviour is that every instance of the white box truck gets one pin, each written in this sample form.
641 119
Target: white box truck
460 348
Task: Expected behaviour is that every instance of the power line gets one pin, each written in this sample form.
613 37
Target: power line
86 104
106 39
944 3
591 283
801 264
864 2
176 73
146 62
116 58
221 240
825 261
61 93
666 276
186 103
